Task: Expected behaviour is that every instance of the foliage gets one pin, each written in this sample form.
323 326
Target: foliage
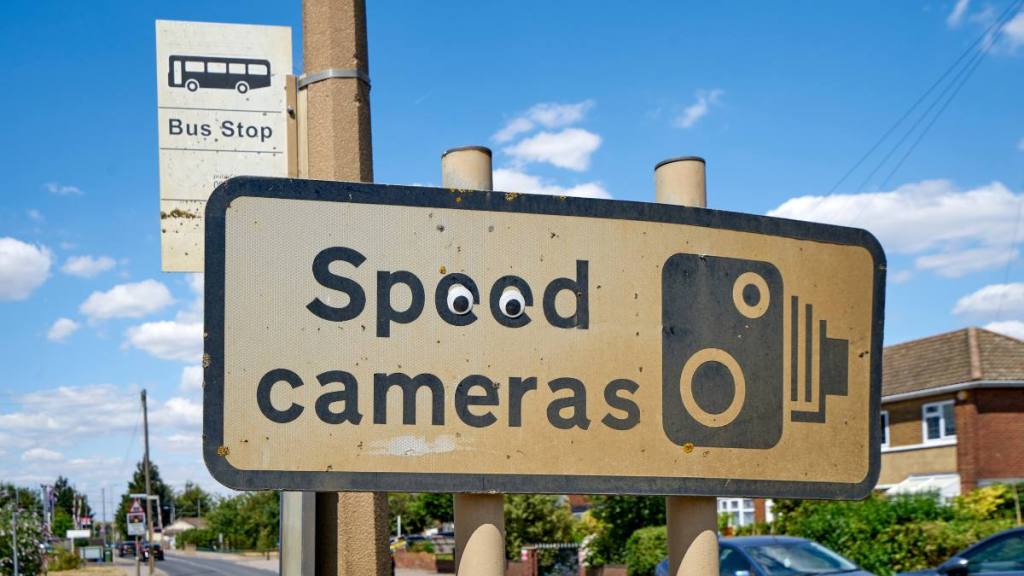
995 501
536 519
422 546
138 486
64 498
419 511
645 549
192 501
620 516
246 520
30 533
63 560
886 535
198 537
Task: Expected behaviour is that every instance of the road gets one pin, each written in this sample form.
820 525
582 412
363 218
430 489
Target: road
200 565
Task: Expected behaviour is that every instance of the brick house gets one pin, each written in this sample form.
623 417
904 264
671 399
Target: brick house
952 417
952 412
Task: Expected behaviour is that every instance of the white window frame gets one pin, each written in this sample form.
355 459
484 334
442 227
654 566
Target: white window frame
884 416
943 437
736 508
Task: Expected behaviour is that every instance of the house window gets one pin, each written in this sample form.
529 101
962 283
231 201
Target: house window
938 421
884 416
739 510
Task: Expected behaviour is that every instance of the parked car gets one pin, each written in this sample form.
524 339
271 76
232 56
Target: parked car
157 551
776 556
126 549
998 555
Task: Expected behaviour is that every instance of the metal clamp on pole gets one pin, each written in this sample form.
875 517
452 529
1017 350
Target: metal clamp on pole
313 78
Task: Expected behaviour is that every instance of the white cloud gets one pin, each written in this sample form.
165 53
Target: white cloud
546 114
1020 145
900 276
957 15
699 109
950 231
1011 328
1013 32
87 266
127 301
35 215
61 329
191 379
509 180
570 148
962 263
182 443
993 299
168 340
62 189
181 411
41 454
23 268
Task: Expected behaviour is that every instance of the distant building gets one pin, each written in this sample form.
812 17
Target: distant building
181 525
952 413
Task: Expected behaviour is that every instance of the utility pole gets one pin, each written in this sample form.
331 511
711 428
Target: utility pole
145 467
692 522
351 528
103 524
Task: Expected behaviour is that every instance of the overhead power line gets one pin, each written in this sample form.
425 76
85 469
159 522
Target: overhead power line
972 55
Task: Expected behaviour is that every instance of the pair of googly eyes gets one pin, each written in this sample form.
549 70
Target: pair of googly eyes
511 303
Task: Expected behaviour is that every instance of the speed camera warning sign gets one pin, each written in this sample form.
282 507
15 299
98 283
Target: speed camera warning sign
369 337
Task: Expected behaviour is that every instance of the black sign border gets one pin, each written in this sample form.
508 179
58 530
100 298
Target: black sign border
453 199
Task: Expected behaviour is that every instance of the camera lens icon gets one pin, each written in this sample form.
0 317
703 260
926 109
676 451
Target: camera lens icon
739 394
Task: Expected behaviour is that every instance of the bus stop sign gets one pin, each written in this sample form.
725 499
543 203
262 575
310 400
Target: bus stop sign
390 338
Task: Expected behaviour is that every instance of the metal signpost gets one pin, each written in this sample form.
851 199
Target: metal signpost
368 337
221 97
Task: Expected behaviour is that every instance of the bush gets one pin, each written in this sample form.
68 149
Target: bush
63 560
198 537
618 517
886 535
422 546
644 550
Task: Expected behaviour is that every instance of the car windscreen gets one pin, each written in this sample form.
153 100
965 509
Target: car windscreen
792 559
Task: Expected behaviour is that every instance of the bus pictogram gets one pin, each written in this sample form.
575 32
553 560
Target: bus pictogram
195 72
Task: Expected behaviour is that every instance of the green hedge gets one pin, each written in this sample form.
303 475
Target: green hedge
644 550
887 535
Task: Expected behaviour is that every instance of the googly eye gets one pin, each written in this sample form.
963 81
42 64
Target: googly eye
460 299
512 304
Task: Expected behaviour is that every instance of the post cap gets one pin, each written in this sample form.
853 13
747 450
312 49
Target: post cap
483 149
679 159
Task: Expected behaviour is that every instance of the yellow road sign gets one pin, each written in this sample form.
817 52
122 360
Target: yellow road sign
370 337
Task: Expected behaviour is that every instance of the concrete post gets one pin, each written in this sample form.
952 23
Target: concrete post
351 528
692 521
479 518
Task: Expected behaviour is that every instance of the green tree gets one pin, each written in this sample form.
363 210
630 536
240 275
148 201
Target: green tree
30 531
619 517
65 496
404 504
192 501
536 519
137 485
246 518
435 508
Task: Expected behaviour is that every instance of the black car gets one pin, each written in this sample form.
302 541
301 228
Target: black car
998 555
157 550
776 556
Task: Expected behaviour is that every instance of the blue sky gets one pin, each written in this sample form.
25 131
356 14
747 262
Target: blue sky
781 98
